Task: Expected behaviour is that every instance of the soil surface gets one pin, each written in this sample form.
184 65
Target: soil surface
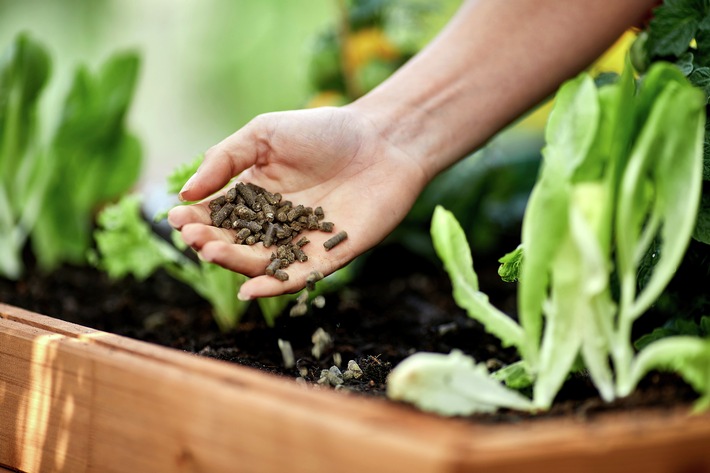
398 304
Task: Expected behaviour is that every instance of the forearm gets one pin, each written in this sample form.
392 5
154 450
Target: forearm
494 61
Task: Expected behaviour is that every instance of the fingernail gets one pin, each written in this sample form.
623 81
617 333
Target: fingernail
243 297
186 187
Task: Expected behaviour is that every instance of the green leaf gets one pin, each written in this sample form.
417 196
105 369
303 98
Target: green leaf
453 250
272 307
687 356
579 313
544 228
516 376
180 175
94 159
674 25
700 77
660 191
450 385
220 286
509 270
24 71
572 125
702 225
126 245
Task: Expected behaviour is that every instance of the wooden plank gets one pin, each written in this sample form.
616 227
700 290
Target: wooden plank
79 400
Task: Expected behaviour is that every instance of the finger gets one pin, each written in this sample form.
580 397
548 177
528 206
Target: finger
182 215
197 235
245 259
268 286
222 162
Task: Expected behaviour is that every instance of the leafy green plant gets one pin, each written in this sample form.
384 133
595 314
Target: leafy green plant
127 245
622 170
679 32
49 193
24 71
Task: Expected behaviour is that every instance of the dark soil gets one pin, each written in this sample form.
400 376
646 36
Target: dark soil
397 305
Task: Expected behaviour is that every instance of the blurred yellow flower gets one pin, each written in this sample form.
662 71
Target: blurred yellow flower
327 98
367 44
611 61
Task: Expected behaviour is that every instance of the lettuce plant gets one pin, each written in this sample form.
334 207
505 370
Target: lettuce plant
127 245
24 71
50 191
621 173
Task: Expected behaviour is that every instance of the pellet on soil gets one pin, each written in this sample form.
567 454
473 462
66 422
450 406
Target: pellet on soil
287 353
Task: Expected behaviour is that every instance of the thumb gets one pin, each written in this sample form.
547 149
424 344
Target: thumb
221 163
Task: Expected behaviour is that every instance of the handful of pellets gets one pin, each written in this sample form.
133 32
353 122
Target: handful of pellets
258 215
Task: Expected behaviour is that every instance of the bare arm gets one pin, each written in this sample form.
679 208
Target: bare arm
367 162
494 61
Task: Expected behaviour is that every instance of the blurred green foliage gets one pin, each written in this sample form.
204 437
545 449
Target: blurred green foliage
487 192
208 66
50 189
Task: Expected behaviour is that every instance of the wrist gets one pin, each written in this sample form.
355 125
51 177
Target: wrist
412 122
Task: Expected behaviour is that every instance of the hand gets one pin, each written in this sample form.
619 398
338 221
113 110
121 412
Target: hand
329 157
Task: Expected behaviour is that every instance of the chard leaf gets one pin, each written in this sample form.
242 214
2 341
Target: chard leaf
24 71
687 356
272 307
675 326
544 228
450 385
572 125
95 159
570 135
452 248
661 186
219 286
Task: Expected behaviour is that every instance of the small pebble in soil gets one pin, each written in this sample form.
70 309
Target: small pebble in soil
331 377
353 371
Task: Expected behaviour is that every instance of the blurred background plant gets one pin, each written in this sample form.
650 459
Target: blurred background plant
50 188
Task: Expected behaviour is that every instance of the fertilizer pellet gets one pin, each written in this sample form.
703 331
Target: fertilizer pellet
258 215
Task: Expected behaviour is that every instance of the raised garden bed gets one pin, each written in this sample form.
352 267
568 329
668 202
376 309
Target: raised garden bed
78 399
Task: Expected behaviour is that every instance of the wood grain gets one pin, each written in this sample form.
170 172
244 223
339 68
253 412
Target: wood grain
78 400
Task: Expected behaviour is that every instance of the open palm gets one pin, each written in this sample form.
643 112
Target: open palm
328 157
